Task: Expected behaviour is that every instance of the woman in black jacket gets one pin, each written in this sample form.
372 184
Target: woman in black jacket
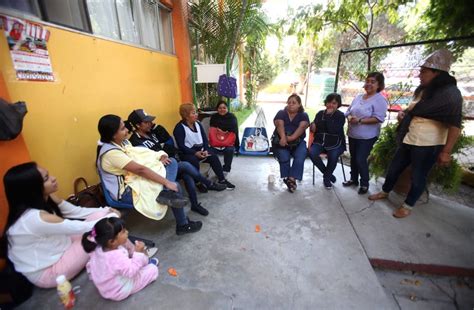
226 121
328 126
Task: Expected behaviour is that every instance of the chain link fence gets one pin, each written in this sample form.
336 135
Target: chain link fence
400 66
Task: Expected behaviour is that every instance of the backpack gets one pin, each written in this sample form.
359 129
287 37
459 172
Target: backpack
11 119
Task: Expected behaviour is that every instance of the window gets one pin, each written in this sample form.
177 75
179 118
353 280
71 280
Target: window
144 22
167 31
70 13
148 23
26 6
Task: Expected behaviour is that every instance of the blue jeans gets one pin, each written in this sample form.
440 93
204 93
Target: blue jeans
171 174
189 174
228 153
332 157
212 160
360 150
422 159
295 169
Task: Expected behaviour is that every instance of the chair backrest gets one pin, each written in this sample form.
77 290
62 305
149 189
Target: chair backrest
110 201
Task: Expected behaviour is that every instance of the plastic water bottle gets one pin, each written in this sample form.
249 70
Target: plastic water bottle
65 292
271 179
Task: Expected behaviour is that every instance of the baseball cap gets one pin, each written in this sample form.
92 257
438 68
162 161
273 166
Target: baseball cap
138 116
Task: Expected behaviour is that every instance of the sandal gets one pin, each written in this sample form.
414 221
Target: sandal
291 184
378 196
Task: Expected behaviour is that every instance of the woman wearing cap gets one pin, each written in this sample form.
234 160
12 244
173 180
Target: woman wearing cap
427 131
145 134
114 162
193 144
226 121
328 126
365 117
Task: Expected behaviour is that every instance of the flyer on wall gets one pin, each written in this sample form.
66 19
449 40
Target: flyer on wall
28 49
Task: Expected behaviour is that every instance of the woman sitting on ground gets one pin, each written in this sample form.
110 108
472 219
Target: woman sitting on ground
226 121
193 144
290 125
114 163
40 238
328 126
142 125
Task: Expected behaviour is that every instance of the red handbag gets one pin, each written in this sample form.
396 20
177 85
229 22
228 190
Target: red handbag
221 138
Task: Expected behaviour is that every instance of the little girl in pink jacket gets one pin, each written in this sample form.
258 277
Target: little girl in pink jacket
117 268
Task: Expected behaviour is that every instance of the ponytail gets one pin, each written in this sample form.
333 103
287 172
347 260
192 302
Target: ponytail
88 242
104 231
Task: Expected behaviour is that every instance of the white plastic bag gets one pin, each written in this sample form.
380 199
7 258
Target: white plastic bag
257 142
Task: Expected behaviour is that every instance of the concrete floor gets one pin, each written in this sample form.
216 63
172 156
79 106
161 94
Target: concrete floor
305 256
312 251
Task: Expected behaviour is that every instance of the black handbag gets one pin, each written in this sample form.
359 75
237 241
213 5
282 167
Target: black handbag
275 139
327 140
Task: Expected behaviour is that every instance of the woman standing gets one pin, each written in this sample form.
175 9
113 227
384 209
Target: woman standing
41 239
428 129
226 121
328 126
290 125
365 117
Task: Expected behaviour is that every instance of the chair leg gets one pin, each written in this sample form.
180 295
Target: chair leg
342 167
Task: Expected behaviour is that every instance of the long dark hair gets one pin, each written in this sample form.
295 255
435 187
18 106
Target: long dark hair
108 126
24 189
104 230
443 79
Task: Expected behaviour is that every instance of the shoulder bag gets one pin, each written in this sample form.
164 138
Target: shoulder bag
89 197
221 138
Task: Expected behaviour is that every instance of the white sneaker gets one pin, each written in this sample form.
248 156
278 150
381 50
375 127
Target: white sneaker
150 252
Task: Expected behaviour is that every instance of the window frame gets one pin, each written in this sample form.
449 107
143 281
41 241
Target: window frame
42 19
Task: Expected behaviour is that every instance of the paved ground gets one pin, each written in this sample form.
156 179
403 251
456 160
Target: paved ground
311 252
314 250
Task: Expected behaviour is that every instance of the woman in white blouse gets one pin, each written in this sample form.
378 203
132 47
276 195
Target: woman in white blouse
41 240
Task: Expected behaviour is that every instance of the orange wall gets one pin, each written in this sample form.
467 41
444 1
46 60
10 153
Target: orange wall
182 47
12 153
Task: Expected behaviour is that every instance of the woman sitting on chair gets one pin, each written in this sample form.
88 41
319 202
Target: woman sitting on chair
328 126
114 162
193 144
41 238
226 121
291 124
143 135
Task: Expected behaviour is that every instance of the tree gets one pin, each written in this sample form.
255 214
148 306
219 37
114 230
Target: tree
218 28
439 19
360 16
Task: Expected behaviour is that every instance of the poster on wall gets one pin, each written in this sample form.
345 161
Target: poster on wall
28 50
